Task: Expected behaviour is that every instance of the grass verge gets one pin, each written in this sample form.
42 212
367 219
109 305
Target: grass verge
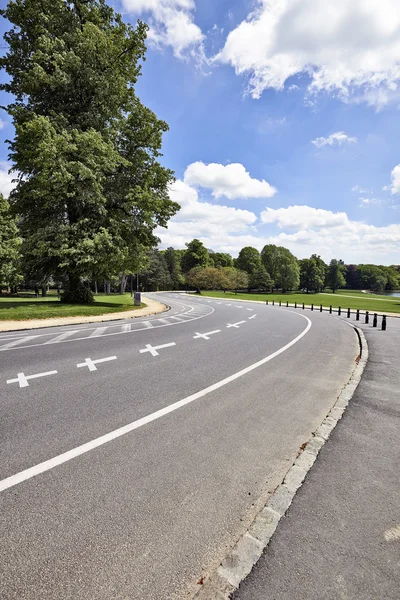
23 308
343 298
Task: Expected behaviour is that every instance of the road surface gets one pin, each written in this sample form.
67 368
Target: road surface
134 454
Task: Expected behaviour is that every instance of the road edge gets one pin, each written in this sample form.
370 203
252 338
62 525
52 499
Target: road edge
238 564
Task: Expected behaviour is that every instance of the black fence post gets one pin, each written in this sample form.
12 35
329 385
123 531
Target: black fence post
367 317
295 304
339 312
330 309
384 323
273 302
348 313
320 308
287 303
266 302
375 321
358 314
280 302
303 306
312 306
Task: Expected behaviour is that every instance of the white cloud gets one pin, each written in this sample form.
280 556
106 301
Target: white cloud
368 201
6 184
395 186
337 138
231 181
2 124
350 48
303 217
171 24
360 190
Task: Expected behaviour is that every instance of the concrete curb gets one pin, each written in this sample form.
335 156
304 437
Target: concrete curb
152 308
240 561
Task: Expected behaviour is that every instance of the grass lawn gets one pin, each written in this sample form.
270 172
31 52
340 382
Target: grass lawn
26 307
343 298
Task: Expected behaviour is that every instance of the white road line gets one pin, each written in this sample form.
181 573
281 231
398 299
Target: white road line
236 306
61 337
236 325
252 317
126 327
98 332
47 465
249 308
22 379
204 336
91 364
19 341
153 349
148 324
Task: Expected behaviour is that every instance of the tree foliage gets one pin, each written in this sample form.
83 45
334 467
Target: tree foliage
196 255
10 244
90 188
335 275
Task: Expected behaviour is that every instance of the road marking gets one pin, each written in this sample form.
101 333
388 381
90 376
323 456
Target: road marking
392 534
153 349
98 332
22 379
204 336
126 327
61 337
19 341
236 325
236 306
250 309
47 465
91 364
252 317
229 304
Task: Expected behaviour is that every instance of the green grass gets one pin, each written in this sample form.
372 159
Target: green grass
343 298
25 307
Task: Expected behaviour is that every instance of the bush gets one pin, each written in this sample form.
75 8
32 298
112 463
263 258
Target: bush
81 295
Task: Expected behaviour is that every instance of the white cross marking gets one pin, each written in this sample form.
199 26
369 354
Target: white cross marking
250 309
252 317
204 336
91 364
153 349
235 324
22 379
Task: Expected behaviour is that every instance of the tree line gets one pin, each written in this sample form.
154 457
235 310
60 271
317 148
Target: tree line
274 268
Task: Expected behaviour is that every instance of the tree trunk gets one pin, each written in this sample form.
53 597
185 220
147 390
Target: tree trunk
124 279
44 291
95 287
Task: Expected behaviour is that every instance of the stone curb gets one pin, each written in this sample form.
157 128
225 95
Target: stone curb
240 561
153 308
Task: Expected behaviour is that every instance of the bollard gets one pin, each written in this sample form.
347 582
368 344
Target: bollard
384 323
367 317
312 306
320 308
375 321
339 312
330 309
273 302
280 302
358 314
295 304
348 313
303 305
287 304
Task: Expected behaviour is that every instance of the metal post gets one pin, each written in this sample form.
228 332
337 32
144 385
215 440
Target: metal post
295 304
287 303
312 306
348 313
280 302
384 323
273 302
320 308
358 314
367 317
266 302
375 321
339 312
330 309
303 306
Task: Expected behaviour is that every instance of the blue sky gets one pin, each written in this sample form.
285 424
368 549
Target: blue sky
284 122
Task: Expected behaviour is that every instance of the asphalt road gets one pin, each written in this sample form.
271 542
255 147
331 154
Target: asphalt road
128 470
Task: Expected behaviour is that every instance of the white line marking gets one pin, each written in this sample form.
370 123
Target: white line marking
229 304
204 336
250 309
252 317
22 379
98 332
126 327
236 306
47 465
19 341
236 325
91 364
392 534
153 349
61 337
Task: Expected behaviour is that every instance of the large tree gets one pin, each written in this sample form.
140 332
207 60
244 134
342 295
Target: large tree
90 189
312 273
249 260
10 243
281 265
335 275
196 255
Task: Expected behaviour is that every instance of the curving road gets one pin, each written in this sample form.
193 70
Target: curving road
134 454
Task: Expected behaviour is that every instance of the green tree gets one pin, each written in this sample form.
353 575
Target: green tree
174 267
335 277
281 265
249 260
10 244
260 279
156 275
90 188
289 273
221 259
196 255
312 273
208 278
236 279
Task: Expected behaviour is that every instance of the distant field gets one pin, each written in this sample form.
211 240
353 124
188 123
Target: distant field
26 307
343 298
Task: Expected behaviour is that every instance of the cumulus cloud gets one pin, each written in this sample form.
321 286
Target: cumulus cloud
303 217
360 190
231 181
351 48
339 138
395 186
171 23
2 124
368 201
6 184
